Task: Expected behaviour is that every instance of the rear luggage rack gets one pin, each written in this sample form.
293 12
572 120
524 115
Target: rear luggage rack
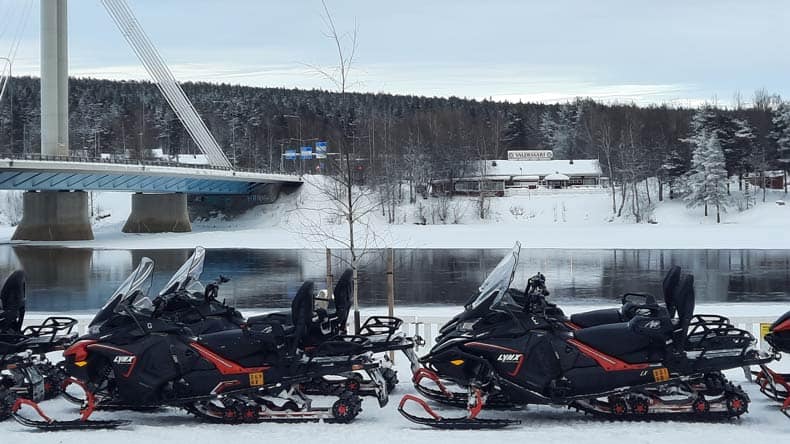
51 327
713 339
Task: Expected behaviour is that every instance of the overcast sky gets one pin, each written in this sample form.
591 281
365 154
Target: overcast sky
667 51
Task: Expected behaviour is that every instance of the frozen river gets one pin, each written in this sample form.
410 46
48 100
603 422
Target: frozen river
69 279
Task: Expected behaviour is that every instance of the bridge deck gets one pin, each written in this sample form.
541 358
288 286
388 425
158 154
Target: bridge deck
95 176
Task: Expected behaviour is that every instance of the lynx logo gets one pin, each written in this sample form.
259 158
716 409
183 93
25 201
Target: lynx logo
509 357
127 360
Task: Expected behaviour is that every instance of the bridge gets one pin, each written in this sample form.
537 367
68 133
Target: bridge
55 203
65 173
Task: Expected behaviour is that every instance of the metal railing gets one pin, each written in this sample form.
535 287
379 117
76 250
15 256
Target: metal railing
121 160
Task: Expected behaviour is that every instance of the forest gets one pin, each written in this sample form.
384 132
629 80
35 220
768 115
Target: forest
410 139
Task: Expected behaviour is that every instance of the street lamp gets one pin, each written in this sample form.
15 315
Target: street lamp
301 142
291 116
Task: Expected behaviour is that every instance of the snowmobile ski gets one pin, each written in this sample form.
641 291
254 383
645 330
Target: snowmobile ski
469 422
50 424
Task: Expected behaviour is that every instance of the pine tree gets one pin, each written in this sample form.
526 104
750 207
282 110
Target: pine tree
560 131
707 181
781 136
673 168
514 135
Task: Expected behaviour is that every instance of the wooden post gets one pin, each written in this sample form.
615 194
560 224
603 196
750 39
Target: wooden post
329 277
391 288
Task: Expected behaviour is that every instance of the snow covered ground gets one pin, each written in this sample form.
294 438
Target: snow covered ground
544 219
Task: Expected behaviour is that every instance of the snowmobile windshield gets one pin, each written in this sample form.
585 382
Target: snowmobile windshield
499 280
138 282
188 273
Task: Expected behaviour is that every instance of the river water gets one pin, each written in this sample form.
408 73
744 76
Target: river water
71 279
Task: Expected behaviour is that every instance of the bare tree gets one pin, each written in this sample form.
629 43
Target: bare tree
343 200
346 46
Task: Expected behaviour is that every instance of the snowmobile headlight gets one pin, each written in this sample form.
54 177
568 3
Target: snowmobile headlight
457 362
81 363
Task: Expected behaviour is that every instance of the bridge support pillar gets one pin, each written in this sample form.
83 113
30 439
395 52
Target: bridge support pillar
54 216
158 213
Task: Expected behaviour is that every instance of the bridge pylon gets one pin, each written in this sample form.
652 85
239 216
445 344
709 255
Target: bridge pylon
54 215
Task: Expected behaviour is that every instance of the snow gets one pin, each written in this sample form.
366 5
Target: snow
763 424
579 167
574 219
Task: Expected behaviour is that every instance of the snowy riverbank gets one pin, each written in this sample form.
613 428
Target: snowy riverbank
545 219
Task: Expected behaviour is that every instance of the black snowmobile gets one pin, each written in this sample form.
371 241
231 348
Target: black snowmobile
131 360
323 318
25 370
773 384
520 349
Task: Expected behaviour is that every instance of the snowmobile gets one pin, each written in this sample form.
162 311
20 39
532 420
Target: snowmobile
131 359
183 299
25 370
521 350
773 384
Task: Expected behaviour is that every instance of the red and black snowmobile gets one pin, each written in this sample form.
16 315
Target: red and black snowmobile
132 360
773 384
520 350
324 316
25 370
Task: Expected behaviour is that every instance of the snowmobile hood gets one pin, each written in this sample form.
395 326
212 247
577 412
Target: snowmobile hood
137 283
782 324
189 272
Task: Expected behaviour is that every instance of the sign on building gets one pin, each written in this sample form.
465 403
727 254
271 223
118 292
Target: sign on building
320 150
530 155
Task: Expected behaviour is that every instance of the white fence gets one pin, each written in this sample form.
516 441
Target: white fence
428 327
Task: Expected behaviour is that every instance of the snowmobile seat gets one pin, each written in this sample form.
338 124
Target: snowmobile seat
617 340
597 317
283 317
630 308
12 303
342 296
684 299
245 345
669 286
302 313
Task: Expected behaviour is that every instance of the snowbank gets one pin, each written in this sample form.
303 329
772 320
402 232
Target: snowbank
539 219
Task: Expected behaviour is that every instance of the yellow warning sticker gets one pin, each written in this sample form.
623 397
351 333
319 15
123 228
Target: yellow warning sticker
661 374
765 328
256 379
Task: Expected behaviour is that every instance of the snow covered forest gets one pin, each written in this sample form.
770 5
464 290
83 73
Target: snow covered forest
417 139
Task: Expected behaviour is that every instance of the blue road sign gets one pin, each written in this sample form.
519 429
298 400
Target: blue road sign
320 150
307 152
290 154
